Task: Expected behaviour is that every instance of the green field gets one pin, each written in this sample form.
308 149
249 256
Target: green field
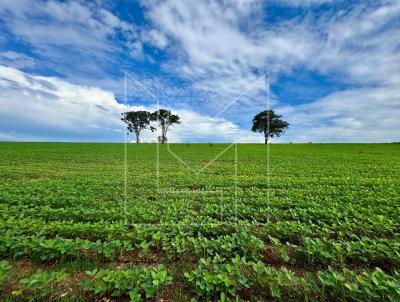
81 222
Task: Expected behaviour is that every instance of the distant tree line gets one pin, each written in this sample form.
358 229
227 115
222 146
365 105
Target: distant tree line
267 122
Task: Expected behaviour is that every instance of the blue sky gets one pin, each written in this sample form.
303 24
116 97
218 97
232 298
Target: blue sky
334 68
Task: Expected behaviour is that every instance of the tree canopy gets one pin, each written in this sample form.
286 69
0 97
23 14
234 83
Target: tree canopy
270 124
165 119
136 121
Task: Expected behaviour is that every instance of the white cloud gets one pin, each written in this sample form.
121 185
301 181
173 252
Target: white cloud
202 128
154 37
6 136
220 45
68 23
362 44
17 60
219 48
71 37
47 108
357 115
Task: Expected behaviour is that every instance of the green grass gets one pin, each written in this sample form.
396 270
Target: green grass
279 222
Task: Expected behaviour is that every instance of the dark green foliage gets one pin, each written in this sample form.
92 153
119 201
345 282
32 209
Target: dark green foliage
321 224
270 124
219 280
165 119
136 121
137 282
40 284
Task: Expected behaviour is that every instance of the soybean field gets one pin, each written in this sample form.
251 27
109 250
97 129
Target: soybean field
199 222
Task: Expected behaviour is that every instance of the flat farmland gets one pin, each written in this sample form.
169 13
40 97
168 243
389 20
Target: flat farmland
201 222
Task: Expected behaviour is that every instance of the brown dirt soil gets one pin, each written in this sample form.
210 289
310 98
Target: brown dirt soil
271 258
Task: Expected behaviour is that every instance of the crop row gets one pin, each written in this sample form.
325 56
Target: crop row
214 279
137 283
220 279
315 252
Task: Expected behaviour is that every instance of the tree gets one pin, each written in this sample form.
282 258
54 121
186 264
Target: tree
136 121
165 119
269 123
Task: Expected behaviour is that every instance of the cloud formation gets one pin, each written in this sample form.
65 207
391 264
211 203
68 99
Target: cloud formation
197 57
358 45
358 115
50 109
223 50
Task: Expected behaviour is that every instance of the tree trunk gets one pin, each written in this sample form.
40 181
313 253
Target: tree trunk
266 140
137 138
266 135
